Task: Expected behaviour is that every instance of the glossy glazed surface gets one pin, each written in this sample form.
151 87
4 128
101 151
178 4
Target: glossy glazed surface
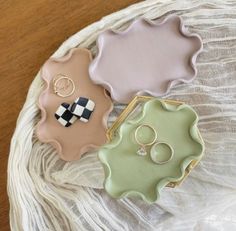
149 57
71 142
130 174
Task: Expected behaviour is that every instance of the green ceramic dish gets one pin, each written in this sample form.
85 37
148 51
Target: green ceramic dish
128 174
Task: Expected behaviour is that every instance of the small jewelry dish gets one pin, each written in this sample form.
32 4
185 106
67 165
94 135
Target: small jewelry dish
149 57
74 110
165 126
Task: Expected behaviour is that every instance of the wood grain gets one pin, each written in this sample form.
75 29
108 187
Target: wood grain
30 31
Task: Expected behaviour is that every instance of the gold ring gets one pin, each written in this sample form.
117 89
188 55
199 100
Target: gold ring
57 88
154 153
142 150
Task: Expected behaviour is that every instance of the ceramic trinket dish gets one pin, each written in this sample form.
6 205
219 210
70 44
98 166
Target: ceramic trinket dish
129 174
149 57
67 81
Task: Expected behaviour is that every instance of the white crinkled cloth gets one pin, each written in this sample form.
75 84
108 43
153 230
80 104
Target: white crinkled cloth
47 193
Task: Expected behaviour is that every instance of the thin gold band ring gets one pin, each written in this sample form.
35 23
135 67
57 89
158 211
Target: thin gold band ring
142 150
56 87
136 135
154 155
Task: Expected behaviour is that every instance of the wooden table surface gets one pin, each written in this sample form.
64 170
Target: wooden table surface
30 31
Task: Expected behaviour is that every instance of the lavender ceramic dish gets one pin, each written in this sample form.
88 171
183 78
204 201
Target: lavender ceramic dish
149 57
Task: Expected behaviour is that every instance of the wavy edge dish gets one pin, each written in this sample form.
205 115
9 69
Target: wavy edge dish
194 133
151 22
137 100
56 144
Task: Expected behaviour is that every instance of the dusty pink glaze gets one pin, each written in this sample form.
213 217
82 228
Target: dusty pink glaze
148 57
71 142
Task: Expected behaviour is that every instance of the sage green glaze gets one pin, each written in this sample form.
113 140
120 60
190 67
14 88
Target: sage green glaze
130 174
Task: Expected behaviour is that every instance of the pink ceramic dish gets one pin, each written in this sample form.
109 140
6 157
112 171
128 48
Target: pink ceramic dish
150 56
71 142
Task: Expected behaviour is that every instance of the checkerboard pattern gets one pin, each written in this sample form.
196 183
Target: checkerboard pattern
83 108
64 115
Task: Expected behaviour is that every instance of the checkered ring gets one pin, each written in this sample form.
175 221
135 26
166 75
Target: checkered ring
83 108
64 115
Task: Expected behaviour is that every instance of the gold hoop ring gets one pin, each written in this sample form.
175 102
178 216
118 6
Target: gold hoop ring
142 150
56 87
153 153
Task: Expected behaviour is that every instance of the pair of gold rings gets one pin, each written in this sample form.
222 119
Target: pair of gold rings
63 86
154 153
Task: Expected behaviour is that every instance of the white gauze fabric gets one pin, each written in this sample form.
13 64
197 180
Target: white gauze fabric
47 193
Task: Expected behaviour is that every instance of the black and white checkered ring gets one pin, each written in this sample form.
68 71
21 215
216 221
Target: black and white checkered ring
83 108
64 115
